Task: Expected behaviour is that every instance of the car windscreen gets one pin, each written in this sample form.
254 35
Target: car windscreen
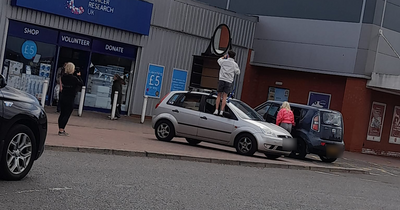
245 111
332 118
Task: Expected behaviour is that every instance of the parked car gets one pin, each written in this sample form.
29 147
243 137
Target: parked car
318 131
190 115
23 130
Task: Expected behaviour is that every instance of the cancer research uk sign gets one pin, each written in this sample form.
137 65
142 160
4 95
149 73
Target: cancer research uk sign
179 79
377 118
154 81
395 129
128 15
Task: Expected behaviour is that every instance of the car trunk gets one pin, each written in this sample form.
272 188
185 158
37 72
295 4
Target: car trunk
331 126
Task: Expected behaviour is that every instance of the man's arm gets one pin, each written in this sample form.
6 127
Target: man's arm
237 69
221 59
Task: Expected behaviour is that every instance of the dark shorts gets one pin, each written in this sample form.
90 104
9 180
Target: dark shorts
224 87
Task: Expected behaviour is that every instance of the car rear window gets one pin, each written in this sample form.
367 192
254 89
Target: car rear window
173 99
331 118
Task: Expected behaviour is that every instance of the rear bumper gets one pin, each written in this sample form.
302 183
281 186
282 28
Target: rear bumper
326 148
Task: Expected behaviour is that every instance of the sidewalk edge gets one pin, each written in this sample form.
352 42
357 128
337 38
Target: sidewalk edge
205 160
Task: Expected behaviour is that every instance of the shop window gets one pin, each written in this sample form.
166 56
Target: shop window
27 64
100 80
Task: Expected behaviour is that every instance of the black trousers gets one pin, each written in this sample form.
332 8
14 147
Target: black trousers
117 110
66 108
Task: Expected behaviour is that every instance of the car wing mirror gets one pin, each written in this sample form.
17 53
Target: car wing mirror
227 115
3 81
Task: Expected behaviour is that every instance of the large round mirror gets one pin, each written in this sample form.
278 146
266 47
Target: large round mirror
221 40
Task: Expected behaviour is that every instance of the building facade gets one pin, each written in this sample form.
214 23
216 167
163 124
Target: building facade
104 38
342 55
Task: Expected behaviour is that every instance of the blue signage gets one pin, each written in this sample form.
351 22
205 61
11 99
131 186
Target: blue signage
129 15
154 81
179 78
278 94
29 49
74 41
32 32
112 48
320 100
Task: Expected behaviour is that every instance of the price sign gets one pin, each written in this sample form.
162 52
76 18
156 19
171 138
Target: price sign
154 81
29 49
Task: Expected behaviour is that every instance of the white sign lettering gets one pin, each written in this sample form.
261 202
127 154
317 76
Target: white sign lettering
100 5
31 31
114 48
73 40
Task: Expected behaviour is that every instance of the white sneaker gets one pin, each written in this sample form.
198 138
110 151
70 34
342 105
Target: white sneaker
221 113
216 112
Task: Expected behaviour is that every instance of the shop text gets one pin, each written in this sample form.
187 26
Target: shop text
75 40
31 31
100 5
114 48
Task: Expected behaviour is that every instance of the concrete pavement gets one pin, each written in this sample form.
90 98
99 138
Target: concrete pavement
94 132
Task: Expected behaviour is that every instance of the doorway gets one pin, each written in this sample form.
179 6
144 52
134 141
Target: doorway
78 57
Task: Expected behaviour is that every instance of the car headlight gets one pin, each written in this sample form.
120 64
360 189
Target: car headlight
267 131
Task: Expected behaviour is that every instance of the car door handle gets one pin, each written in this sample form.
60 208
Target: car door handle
175 110
204 118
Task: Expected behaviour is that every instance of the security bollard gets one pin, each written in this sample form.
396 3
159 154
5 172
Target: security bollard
82 99
144 109
44 91
114 106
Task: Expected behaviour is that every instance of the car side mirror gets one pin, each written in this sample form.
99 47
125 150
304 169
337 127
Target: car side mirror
3 81
227 115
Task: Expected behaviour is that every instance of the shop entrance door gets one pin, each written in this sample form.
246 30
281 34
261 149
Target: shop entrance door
78 57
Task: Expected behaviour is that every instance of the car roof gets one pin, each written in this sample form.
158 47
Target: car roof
302 106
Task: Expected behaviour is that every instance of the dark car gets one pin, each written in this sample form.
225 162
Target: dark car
23 130
318 131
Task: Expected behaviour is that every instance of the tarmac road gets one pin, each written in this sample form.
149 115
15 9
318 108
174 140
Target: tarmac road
64 180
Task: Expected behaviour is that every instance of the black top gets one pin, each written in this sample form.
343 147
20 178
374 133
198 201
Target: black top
70 85
117 86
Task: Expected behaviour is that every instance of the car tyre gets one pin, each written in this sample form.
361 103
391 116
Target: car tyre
327 160
272 157
301 151
246 144
193 141
18 153
164 130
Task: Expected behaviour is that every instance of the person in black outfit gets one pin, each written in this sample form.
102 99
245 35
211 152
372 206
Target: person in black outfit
117 86
70 85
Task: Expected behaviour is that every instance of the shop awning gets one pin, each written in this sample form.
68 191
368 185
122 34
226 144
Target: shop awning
385 83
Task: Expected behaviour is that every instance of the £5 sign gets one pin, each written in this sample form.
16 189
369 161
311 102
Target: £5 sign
154 81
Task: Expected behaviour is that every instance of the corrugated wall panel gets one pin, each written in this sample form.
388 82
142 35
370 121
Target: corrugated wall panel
180 29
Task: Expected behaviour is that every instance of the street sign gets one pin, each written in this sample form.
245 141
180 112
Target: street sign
320 100
154 81
179 79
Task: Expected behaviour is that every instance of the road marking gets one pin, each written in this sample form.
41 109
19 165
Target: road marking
386 172
60 189
27 191
319 172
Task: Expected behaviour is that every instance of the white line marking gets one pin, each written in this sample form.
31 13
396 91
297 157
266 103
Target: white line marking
60 189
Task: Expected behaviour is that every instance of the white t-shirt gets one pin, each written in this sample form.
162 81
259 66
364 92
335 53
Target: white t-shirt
228 69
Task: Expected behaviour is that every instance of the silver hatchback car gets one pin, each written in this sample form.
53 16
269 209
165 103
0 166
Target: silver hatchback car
190 115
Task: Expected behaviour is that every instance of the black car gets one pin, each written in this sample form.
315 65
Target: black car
23 130
318 131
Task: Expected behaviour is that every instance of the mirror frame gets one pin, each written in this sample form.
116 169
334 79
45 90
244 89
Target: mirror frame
3 81
229 47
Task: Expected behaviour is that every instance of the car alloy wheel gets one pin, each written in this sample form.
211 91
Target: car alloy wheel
164 130
19 153
246 144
